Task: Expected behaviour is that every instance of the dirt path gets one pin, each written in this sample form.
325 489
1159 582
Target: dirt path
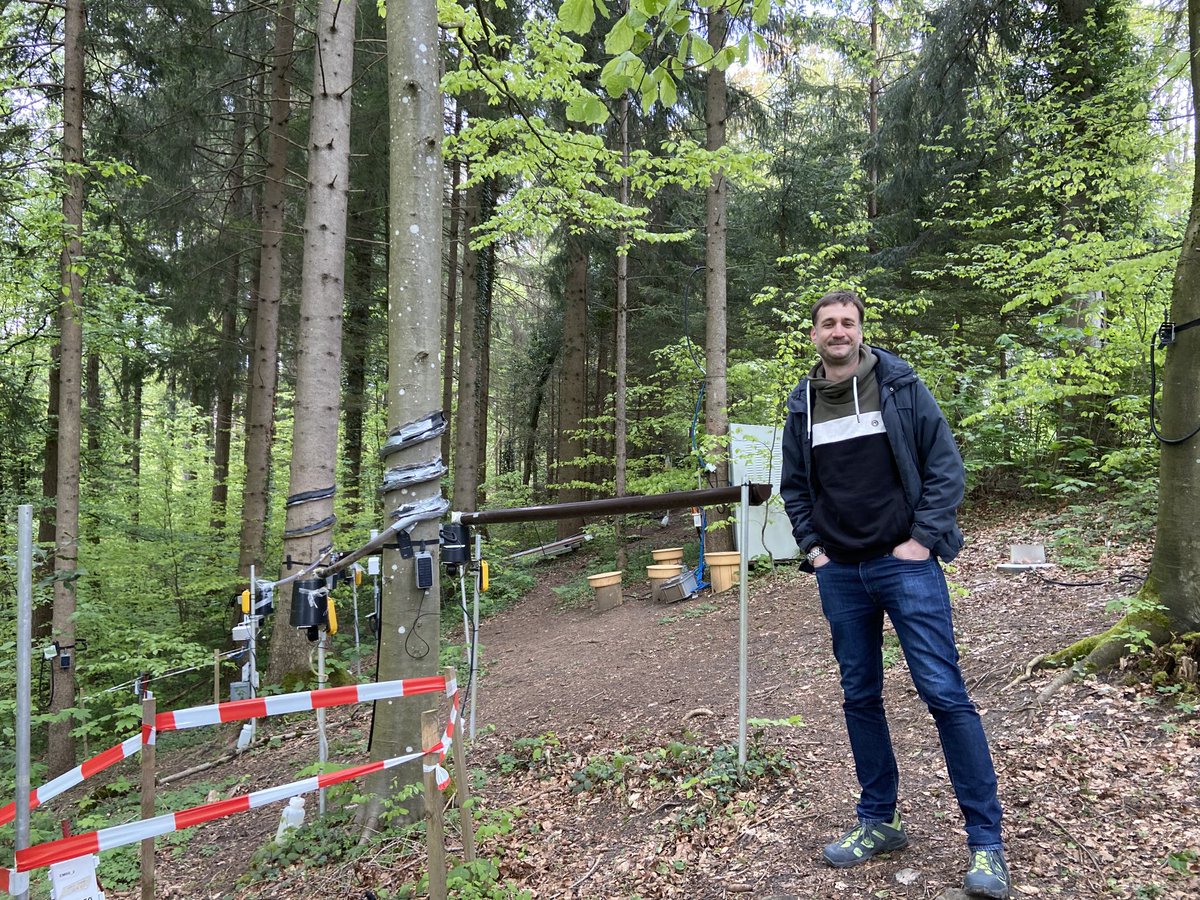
1099 786
599 774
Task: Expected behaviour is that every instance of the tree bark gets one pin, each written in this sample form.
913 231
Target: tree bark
574 380
716 400
61 755
466 461
264 363
483 336
456 208
1175 567
360 300
309 527
230 352
621 362
409 630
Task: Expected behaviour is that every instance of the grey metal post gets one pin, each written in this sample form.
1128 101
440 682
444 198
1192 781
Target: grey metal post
474 638
743 621
24 671
322 738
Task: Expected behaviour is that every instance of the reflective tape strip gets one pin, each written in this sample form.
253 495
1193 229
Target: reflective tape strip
70 779
288 703
52 852
268 796
41 855
13 881
131 832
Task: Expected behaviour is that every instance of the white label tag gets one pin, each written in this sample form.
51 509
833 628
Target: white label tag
75 879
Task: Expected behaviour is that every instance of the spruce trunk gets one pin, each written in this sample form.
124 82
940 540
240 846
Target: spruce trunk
310 518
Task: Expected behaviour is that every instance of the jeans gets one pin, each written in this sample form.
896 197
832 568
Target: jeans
854 598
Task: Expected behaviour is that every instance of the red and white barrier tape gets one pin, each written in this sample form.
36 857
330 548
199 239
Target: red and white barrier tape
68 780
51 852
217 713
15 880
303 701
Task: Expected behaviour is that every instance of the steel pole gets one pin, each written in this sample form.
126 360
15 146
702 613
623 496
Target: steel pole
475 629
24 672
743 620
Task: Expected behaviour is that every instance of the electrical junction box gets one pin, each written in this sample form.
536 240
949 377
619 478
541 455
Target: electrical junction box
756 455
372 565
241 632
239 690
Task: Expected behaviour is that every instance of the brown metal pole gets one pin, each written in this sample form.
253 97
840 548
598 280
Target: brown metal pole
759 494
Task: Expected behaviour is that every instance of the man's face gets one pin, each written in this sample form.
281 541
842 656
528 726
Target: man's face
837 334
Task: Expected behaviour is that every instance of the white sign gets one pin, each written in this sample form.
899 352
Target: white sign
75 879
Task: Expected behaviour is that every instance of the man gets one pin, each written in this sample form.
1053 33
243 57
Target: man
871 481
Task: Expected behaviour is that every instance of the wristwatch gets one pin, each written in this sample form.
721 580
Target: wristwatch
815 553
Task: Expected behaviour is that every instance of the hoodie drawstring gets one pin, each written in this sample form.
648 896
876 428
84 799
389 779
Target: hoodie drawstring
854 387
808 406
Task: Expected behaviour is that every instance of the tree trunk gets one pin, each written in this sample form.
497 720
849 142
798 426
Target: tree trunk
466 461
43 613
66 536
483 333
1175 567
716 401
621 363
574 381
310 519
231 355
95 409
409 630
451 291
356 343
260 396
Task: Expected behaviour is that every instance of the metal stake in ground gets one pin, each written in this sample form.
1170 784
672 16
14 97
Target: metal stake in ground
743 622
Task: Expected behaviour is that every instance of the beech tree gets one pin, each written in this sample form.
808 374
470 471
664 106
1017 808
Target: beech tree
410 616
1175 568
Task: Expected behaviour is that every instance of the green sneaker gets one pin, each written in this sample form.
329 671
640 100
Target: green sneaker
864 840
987 874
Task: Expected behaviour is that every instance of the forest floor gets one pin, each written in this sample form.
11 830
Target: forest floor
600 773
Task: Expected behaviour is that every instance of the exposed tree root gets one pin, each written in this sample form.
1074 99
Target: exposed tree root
1101 652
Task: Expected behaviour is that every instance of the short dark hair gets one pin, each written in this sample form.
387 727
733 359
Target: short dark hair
839 296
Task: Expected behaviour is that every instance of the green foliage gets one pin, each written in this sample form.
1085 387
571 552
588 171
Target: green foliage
530 754
690 612
1136 612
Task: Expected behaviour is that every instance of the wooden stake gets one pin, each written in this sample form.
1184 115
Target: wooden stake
147 766
462 786
434 827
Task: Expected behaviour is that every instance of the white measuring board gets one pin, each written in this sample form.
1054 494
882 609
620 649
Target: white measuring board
756 454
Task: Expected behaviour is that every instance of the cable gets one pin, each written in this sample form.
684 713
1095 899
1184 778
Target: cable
1164 337
1138 578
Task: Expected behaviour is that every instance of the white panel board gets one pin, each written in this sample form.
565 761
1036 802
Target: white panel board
756 454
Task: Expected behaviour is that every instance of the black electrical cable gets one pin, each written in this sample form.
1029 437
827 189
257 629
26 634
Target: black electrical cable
1138 578
1164 337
